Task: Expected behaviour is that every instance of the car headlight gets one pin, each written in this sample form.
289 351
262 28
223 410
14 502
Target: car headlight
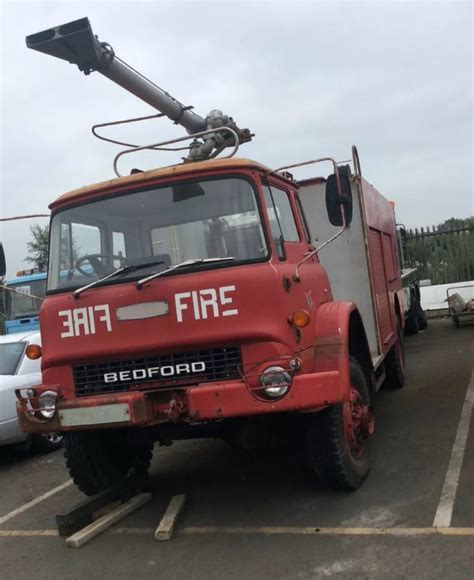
47 404
275 381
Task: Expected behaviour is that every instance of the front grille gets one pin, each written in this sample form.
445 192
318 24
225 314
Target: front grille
181 369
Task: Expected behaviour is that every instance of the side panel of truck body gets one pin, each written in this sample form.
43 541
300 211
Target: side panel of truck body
384 262
361 263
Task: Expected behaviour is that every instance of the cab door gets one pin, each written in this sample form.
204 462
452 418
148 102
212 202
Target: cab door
291 241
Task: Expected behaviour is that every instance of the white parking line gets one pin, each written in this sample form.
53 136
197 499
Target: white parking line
264 531
312 531
298 531
28 533
34 502
444 512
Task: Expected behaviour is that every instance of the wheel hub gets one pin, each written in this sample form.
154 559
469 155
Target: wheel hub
359 422
53 438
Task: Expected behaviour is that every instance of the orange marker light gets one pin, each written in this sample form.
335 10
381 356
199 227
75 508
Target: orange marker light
33 351
300 318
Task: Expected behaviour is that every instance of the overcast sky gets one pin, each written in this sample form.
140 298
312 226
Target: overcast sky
310 79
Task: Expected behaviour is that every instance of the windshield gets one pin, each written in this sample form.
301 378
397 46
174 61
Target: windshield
154 230
19 304
10 355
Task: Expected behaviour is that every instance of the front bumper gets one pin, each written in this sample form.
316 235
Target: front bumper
207 402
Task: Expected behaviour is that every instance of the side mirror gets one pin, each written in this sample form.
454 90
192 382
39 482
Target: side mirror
3 264
334 201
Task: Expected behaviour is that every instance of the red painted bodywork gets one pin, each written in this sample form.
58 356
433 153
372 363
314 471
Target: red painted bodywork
265 295
384 264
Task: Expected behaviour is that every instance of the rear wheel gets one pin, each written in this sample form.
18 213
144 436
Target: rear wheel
421 317
395 364
98 459
412 325
338 438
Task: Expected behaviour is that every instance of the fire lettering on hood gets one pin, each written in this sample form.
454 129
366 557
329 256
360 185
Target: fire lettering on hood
201 304
204 302
85 320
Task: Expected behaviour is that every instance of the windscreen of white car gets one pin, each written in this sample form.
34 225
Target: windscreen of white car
10 356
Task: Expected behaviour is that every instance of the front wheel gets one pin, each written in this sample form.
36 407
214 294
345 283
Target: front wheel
338 438
97 460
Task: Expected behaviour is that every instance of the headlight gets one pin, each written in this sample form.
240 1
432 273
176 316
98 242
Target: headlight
275 382
47 404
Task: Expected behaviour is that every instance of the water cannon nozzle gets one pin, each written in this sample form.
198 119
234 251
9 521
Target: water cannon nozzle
74 42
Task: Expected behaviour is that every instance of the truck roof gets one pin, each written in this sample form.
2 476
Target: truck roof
178 170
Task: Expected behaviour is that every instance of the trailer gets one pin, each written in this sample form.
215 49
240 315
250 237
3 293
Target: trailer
198 302
459 310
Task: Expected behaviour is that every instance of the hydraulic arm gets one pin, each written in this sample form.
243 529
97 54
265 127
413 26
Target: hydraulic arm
76 43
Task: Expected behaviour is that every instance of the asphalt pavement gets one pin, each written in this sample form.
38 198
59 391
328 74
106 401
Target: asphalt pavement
264 516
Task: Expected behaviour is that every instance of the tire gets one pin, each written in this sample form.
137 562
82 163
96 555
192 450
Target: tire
395 364
421 317
412 325
98 459
339 463
47 443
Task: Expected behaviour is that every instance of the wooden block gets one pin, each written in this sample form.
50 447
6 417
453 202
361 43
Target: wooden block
82 514
105 510
164 531
86 534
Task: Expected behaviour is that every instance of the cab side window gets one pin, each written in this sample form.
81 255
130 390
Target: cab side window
282 220
307 232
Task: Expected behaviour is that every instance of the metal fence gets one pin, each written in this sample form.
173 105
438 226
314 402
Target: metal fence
443 255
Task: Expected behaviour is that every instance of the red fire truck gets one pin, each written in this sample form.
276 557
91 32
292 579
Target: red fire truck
194 301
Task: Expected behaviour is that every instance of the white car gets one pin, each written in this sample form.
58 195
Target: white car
18 371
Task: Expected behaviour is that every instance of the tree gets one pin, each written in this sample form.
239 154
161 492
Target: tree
38 247
454 224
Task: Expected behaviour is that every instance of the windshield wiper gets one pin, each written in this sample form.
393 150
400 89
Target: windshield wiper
193 262
129 268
